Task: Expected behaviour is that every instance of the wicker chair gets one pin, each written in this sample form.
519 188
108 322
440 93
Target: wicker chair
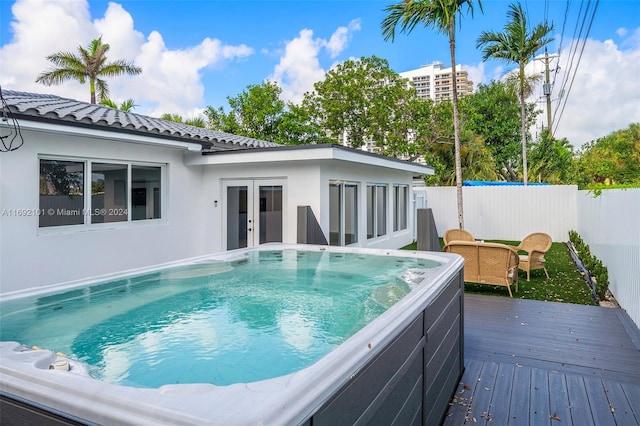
457 235
487 263
535 245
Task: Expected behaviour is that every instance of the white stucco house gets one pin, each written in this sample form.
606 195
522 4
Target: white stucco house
86 190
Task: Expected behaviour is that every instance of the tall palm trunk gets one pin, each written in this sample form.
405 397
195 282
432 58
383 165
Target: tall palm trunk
92 89
456 132
523 127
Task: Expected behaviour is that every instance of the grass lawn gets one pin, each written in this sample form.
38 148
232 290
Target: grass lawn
565 284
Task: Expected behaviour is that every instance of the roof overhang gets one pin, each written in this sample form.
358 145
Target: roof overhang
306 153
93 132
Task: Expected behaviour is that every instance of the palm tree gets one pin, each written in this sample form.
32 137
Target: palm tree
517 44
440 15
177 118
126 106
91 65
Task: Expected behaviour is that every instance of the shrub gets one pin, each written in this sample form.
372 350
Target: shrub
593 265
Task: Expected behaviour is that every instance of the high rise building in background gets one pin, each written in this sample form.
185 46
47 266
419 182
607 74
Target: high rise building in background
435 82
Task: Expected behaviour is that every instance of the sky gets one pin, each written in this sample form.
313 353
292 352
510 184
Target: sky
197 53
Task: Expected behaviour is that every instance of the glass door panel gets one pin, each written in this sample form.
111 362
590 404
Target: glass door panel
270 214
237 217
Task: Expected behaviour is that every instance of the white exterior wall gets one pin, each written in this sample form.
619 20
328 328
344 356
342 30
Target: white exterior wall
306 183
506 212
32 257
362 175
192 222
300 183
610 224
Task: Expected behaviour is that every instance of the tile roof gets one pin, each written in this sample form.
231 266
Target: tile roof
65 110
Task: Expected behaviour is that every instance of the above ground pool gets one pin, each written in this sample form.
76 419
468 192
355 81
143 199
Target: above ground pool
278 334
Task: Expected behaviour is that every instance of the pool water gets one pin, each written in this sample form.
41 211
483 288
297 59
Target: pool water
269 314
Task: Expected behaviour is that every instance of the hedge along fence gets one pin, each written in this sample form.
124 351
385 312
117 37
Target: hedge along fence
595 273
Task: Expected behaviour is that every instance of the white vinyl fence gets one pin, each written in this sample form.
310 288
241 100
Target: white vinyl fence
609 223
505 212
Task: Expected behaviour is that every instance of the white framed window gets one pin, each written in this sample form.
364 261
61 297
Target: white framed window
343 213
400 207
95 191
376 210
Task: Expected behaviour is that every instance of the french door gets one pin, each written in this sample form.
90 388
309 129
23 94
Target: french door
253 212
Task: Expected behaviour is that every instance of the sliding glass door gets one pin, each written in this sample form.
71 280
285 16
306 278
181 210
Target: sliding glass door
343 213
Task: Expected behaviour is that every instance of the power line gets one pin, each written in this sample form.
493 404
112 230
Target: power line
557 117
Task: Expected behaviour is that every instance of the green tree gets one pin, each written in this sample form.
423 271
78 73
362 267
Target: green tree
493 112
614 158
177 118
516 44
217 119
90 65
552 160
255 113
126 106
440 15
259 112
298 127
359 100
477 161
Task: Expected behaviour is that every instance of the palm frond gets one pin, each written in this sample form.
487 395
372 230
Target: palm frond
102 89
89 64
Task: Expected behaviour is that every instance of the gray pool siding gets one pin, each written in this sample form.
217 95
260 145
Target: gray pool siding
412 381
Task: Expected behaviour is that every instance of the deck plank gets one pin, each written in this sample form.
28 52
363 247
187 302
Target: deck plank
481 407
559 405
598 401
580 410
573 339
501 399
463 398
532 362
620 407
539 413
633 397
520 396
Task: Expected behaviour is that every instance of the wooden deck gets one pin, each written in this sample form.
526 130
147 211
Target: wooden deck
531 363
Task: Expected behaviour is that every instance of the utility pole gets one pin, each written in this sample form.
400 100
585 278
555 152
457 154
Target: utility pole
546 89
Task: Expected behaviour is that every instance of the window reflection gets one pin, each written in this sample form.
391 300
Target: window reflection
61 193
146 192
108 192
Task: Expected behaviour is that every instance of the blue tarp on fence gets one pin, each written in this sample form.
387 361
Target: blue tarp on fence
498 183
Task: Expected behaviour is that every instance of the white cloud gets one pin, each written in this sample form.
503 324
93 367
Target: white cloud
171 80
604 95
601 97
341 38
476 73
299 67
